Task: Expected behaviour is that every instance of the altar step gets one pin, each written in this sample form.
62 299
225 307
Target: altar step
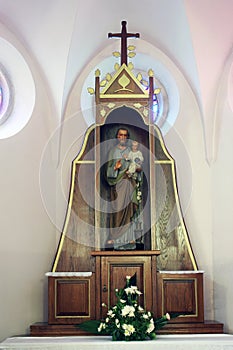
206 327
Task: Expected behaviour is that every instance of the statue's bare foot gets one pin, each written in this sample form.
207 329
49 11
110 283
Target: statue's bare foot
110 242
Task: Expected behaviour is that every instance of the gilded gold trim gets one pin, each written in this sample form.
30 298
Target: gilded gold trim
163 162
89 298
89 130
162 143
144 285
126 96
114 78
128 104
85 162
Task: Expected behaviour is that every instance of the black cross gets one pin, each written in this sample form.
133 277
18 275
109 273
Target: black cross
123 35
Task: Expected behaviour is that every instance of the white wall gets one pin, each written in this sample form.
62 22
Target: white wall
222 208
27 226
28 237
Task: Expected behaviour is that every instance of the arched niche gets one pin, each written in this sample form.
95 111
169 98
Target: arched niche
86 224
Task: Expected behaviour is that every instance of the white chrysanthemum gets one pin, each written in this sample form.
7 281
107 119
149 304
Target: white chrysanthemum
110 313
117 322
145 316
131 290
168 317
140 308
138 292
101 326
151 326
122 301
129 329
128 290
131 314
127 309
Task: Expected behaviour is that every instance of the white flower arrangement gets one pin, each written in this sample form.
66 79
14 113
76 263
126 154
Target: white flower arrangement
127 320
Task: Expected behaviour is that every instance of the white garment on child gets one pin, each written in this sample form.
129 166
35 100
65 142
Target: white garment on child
136 159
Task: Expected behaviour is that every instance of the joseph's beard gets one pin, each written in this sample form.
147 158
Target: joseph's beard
123 142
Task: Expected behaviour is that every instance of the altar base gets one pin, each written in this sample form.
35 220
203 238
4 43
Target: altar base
207 327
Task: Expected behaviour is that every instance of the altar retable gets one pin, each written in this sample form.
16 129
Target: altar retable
87 269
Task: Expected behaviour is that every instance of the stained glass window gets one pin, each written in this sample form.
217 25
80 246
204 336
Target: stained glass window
1 98
5 96
155 105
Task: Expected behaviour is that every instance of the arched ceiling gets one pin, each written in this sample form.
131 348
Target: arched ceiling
63 36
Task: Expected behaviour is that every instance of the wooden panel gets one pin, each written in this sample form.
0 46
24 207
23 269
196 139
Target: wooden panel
174 288
171 234
112 267
78 238
117 273
114 271
181 293
71 299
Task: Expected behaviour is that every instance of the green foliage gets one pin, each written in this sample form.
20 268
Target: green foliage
90 326
127 320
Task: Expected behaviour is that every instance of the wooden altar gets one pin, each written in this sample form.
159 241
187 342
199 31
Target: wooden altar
86 270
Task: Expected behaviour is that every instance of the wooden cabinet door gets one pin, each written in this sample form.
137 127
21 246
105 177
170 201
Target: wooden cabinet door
182 293
71 299
114 270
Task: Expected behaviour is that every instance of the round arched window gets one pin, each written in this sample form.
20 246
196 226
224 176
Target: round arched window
17 90
6 96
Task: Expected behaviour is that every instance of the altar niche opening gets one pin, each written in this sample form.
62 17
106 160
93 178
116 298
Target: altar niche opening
123 183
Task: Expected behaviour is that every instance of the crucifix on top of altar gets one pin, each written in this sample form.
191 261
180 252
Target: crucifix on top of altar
124 36
124 216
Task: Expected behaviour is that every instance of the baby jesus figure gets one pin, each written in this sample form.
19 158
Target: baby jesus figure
136 159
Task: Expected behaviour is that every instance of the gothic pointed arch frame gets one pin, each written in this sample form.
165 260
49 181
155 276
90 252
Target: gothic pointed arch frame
123 102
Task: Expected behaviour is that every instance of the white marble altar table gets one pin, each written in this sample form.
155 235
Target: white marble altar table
163 342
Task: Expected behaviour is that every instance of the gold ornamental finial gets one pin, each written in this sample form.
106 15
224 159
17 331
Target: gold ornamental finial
150 73
97 73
